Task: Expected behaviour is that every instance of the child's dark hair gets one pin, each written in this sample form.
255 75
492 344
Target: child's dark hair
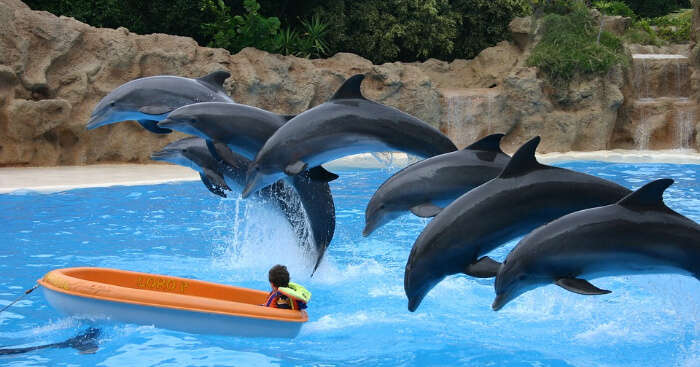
279 276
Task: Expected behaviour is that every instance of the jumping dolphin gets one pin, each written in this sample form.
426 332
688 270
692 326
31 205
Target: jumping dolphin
346 124
85 343
149 100
443 178
225 170
524 196
194 153
243 128
638 234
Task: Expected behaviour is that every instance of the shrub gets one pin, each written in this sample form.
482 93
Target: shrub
237 32
569 47
674 27
483 23
656 8
614 8
641 32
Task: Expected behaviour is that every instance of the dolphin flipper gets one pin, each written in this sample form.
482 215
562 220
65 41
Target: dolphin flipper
214 182
153 127
580 286
426 210
321 174
485 267
295 168
156 109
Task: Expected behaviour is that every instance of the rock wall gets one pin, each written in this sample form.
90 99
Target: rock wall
54 70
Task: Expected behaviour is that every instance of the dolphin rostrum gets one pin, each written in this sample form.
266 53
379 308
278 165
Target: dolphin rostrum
524 196
149 100
85 343
638 234
346 124
225 170
443 178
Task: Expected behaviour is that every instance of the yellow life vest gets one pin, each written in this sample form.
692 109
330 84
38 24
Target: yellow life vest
296 291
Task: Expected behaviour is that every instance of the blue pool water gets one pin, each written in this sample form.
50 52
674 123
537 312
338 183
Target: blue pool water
358 314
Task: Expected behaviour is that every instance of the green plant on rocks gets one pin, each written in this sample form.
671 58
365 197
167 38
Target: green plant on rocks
614 8
571 45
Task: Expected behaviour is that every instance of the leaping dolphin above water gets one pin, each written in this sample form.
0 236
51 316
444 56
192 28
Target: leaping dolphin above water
638 234
243 128
193 153
524 196
225 170
149 100
443 178
346 124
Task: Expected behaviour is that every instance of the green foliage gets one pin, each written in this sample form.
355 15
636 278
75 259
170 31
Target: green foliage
482 24
641 32
569 47
181 17
614 8
674 27
406 30
656 8
314 41
236 32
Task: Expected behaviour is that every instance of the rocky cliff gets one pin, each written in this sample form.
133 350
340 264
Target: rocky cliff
54 70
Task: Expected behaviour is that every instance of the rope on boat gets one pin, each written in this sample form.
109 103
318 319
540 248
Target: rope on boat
30 290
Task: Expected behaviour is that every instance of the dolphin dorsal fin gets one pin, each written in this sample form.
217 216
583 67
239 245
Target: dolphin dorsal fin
215 79
351 88
523 160
491 143
287 117
649 195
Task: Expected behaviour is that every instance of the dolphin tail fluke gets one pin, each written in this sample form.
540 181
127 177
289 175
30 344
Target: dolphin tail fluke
426 210
152 126
351 88
485 267
580 286
321 174
491 143
523 161
318 262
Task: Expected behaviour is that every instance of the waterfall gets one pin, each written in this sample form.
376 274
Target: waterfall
662 91
469 113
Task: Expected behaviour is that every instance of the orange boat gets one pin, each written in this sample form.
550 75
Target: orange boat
168 302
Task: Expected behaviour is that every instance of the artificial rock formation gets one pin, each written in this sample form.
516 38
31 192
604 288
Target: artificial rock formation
54 70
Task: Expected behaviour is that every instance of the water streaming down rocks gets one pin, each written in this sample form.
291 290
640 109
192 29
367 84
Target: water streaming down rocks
661 115
469 113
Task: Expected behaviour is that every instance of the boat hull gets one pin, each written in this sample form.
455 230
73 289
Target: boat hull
73 293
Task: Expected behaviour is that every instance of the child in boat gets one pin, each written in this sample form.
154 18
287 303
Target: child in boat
285 294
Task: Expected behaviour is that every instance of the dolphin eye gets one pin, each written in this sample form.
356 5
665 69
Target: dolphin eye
112 103
522 277
193 120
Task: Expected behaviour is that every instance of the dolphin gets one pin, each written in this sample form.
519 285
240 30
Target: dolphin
85 342
346 124
194 153
524 196
443 178
149 100
225 170
243 128
638 234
